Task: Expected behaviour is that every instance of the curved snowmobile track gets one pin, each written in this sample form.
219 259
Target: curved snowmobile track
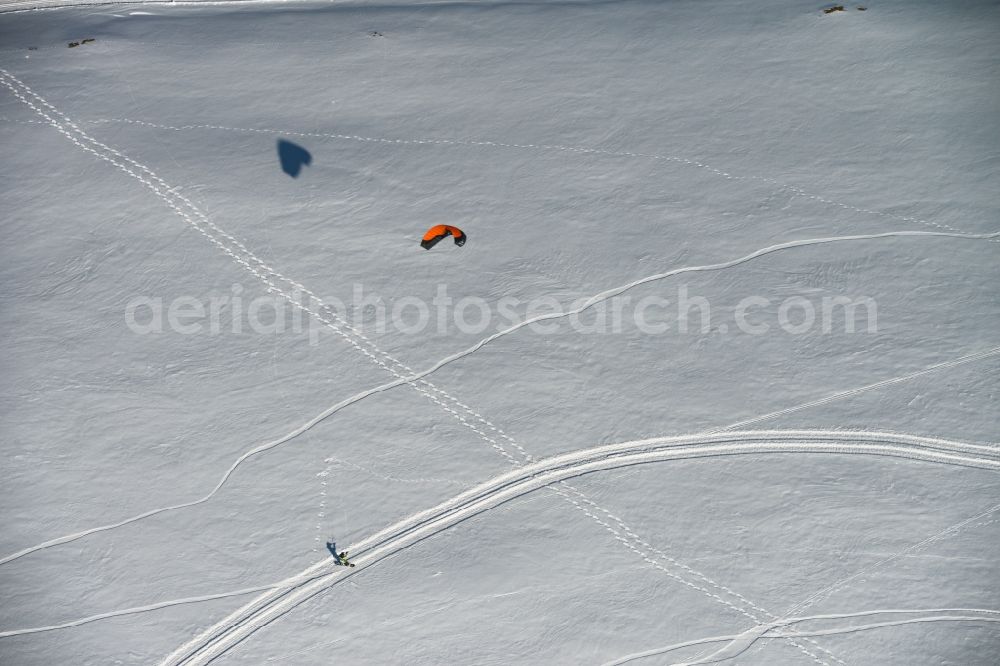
272 605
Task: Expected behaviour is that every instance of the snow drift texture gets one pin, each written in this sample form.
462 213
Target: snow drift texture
170 489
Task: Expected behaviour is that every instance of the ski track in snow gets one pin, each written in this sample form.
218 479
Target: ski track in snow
418 376
332 462
830 589
255 266
827 591
457 606
355 338
739 643
478 143
847 580
523 480
169 194
840 395
269 607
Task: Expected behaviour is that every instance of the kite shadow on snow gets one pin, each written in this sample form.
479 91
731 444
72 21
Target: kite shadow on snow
293 157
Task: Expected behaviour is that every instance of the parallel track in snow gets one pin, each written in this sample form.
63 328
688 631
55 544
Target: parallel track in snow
503 488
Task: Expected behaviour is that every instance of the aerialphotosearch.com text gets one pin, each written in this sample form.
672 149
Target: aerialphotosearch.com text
681 312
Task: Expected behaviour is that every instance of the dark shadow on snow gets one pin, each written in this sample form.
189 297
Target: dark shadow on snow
292 157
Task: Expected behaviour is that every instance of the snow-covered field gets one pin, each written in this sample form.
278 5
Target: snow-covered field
168 494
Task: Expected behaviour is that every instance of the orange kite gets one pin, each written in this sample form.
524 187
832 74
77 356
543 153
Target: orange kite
439 232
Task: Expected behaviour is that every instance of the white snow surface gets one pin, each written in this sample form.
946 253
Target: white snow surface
512 495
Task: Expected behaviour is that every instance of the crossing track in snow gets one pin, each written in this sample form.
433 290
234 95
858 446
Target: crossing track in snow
272 605
739 643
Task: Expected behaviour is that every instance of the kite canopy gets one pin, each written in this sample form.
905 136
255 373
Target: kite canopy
439 232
